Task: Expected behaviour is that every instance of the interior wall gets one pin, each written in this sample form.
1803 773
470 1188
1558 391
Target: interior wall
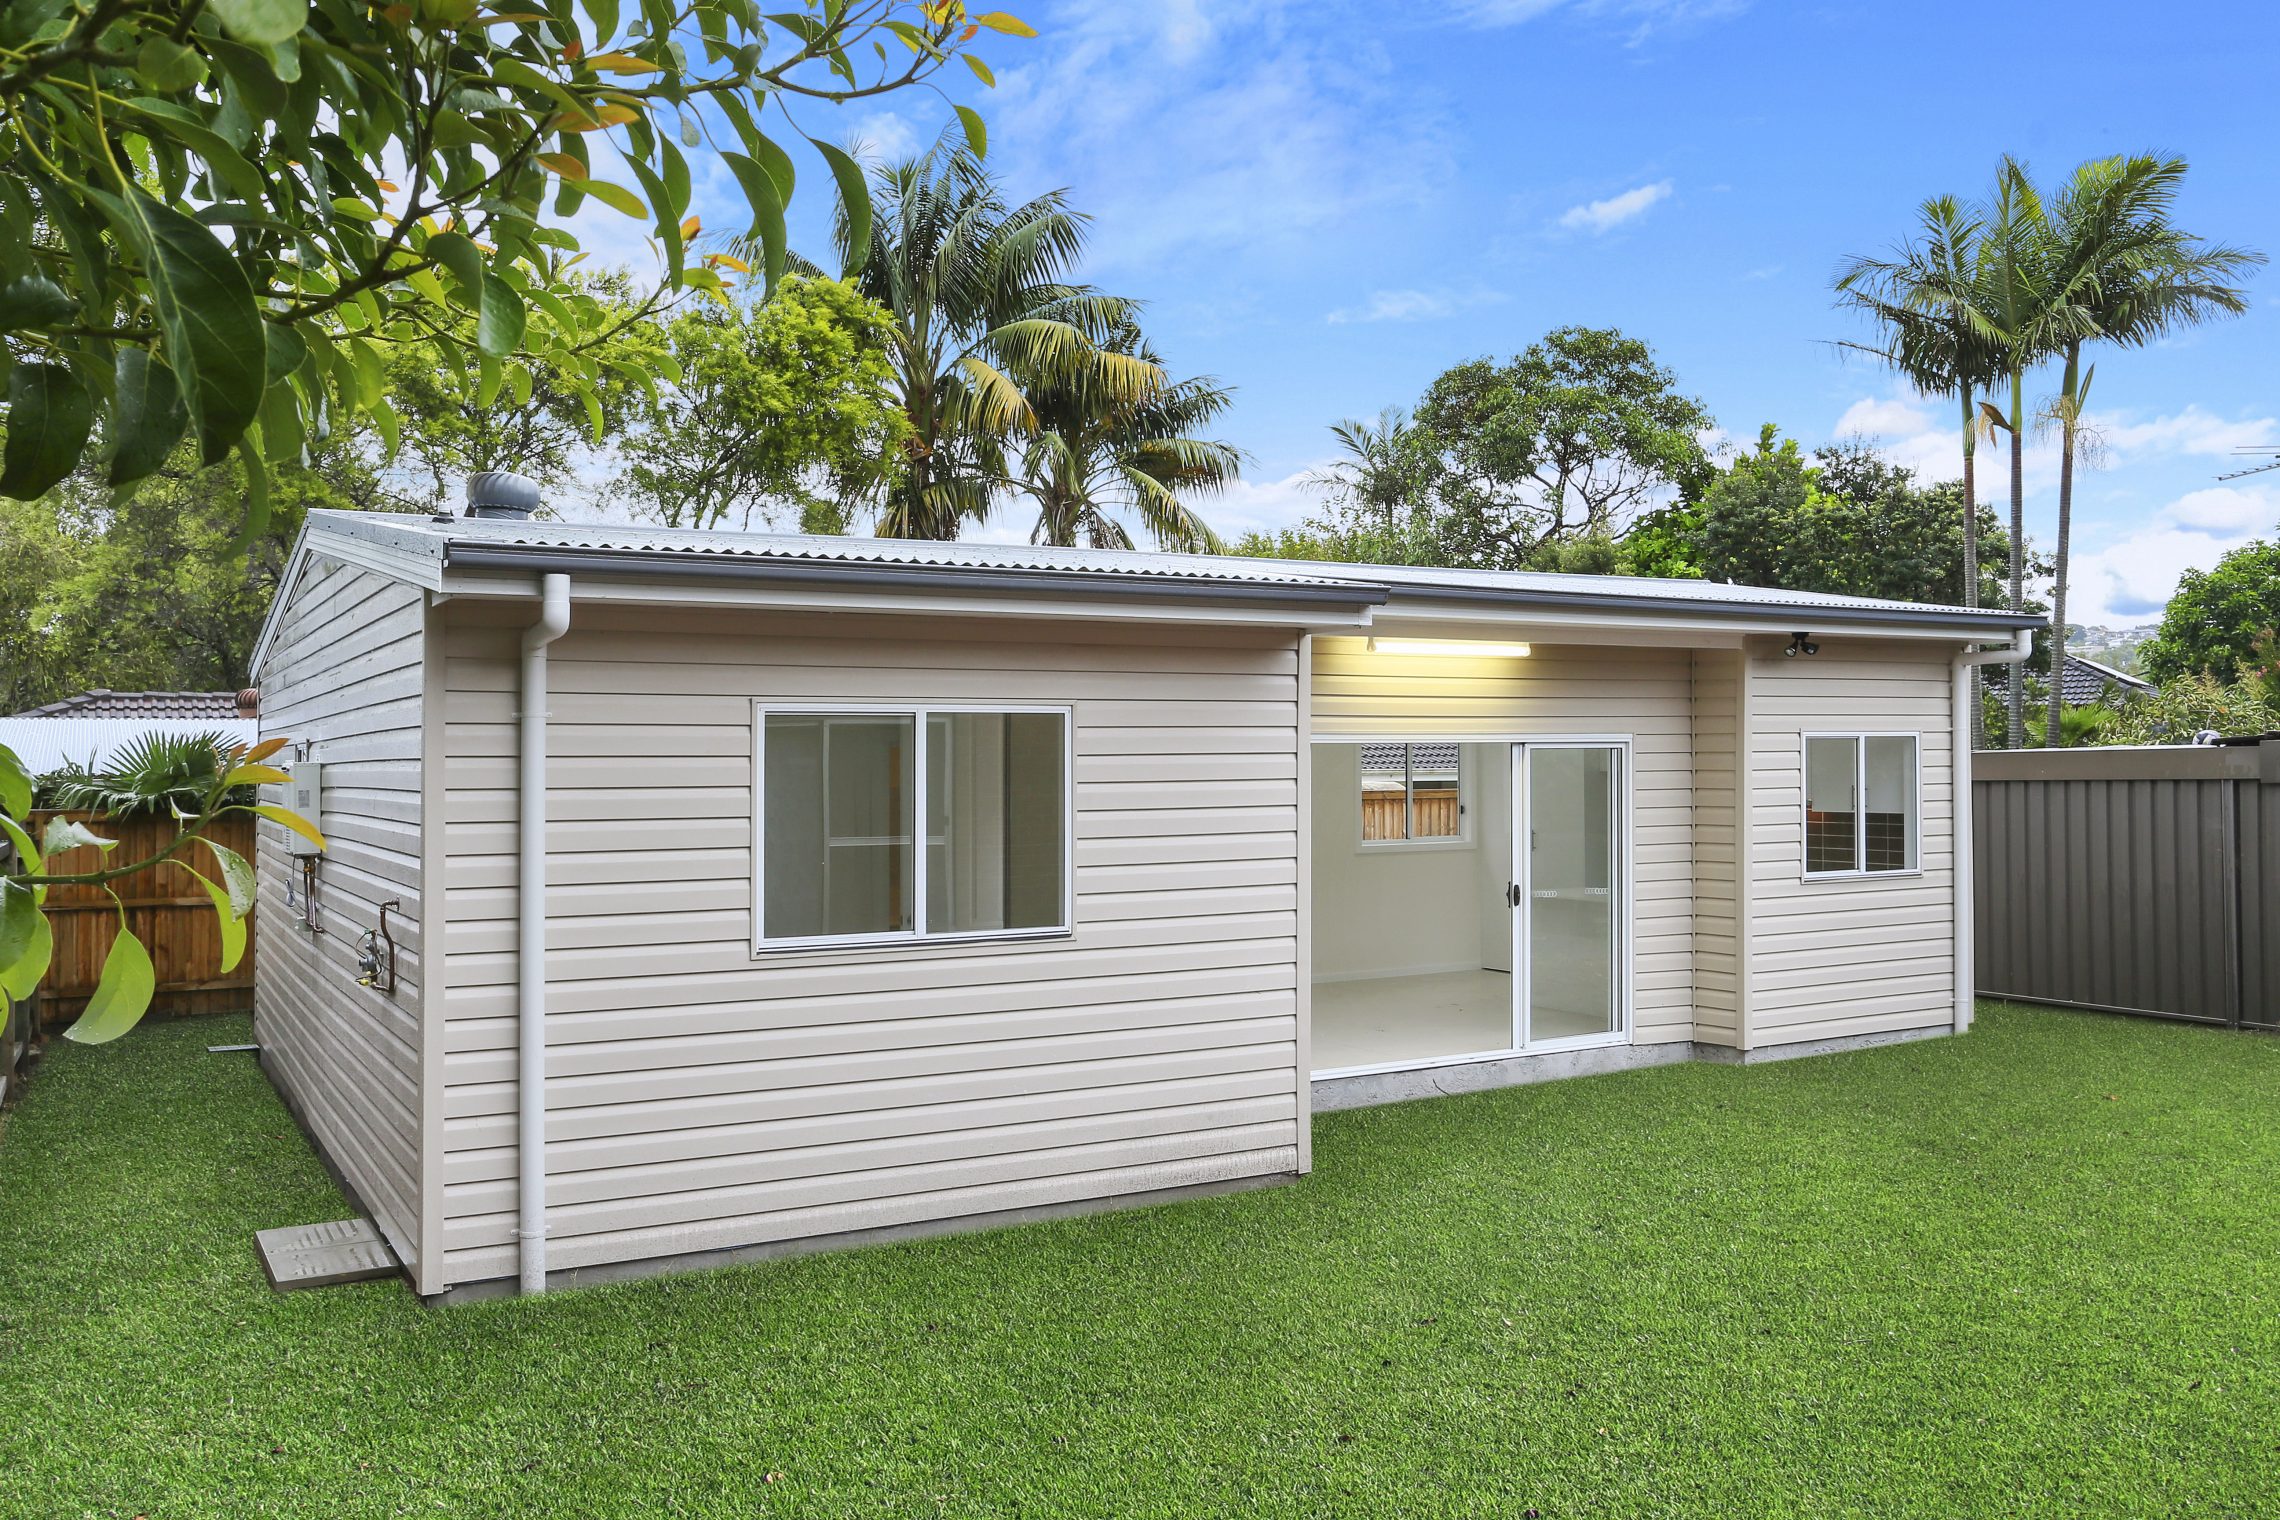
1394 911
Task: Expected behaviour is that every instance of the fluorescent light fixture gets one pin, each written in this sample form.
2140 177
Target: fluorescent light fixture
1452 648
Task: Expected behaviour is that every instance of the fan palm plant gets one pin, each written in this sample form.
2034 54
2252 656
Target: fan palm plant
984 311
1921 300
1100 455
2121 272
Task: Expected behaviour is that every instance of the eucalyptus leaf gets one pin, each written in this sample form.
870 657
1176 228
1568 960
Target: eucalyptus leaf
50 415
261 21
33 301
26 943
147 416
500 321
122 994
855 196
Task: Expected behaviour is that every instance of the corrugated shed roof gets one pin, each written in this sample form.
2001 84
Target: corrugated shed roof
425 548
46 745
102 702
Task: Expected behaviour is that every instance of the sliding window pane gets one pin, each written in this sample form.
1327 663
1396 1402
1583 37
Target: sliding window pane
840 789
1832 828
997 808
1891 803
1436 794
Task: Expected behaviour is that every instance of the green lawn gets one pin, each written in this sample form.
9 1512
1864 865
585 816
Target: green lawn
2035 1271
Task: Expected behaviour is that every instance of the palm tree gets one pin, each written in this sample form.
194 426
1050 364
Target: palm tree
1922 301
1098 454
2012 312
1378 480
2121 272
983 310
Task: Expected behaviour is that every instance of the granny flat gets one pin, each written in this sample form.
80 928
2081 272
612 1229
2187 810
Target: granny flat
698 896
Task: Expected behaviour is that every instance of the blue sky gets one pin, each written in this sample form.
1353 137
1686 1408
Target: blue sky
1326 204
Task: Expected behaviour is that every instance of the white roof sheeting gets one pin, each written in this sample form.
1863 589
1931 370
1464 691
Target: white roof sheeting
46 745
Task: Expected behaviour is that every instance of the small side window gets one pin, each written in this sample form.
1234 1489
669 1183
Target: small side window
1413 794
1860 804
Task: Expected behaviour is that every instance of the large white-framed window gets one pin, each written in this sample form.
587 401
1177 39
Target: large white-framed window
1863 805
1413 795
880 823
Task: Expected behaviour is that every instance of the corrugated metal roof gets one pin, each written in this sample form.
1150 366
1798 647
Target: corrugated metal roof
46 745
105 703
438 539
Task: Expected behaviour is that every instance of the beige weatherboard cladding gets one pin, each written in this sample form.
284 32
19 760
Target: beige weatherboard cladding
707 1091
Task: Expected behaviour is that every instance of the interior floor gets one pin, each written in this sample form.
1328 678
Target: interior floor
1378 1021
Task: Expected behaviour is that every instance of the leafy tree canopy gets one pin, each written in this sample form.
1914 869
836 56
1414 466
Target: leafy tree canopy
217 219
786 403
2213 623
1566 441
1846 521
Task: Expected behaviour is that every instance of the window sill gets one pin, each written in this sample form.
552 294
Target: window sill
906 943
1405 846
1913 873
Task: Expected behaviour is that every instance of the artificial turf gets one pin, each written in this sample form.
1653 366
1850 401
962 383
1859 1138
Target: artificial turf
2033 1271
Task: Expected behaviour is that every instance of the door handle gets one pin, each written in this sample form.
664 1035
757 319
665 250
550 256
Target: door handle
1512 893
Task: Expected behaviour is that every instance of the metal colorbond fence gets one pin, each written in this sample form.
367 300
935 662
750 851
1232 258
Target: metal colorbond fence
2140 880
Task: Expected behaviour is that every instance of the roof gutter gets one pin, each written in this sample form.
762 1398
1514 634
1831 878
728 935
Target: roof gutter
1959 619
1966 723
676 565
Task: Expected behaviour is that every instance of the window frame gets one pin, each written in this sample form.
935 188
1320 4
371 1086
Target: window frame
1461 840
919 713
1860 738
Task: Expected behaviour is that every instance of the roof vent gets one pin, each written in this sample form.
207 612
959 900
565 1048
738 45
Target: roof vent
496 493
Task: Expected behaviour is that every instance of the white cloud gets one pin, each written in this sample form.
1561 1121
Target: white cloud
2192 431
2131 579
883 134
1394 306
1189 128
1645 17
1601 216
1412 306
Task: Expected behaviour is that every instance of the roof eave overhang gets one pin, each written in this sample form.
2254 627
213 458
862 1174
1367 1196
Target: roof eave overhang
477 569
1585 609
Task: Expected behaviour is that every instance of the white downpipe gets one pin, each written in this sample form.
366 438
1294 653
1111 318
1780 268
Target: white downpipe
530 936
1967 724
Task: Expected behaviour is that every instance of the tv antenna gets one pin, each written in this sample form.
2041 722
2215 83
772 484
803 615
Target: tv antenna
2271 462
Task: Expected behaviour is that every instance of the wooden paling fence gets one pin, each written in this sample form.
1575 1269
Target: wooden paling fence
165 906
1439 815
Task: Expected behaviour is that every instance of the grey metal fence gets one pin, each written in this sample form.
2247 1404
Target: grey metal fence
2135 880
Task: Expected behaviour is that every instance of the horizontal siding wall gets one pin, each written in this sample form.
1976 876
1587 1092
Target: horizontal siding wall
343 678
1833 959
1718 797
700 1098
1643 694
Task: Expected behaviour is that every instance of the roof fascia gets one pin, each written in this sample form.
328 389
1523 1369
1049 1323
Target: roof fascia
1510 612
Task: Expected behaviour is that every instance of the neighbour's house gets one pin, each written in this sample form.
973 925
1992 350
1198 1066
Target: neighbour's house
88 731
2083 683
751 893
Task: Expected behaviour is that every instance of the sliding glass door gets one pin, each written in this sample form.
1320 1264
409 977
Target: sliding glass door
1568 926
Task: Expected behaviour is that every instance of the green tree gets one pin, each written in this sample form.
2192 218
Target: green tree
1100 455
1563 442
2192 703
781 404
2122 272
150 586
1846 521
216 218
540 418
1931 332
2212 624
983 307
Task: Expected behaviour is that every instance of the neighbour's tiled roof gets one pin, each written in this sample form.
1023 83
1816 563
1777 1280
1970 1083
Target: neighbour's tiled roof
102 702
2081 682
